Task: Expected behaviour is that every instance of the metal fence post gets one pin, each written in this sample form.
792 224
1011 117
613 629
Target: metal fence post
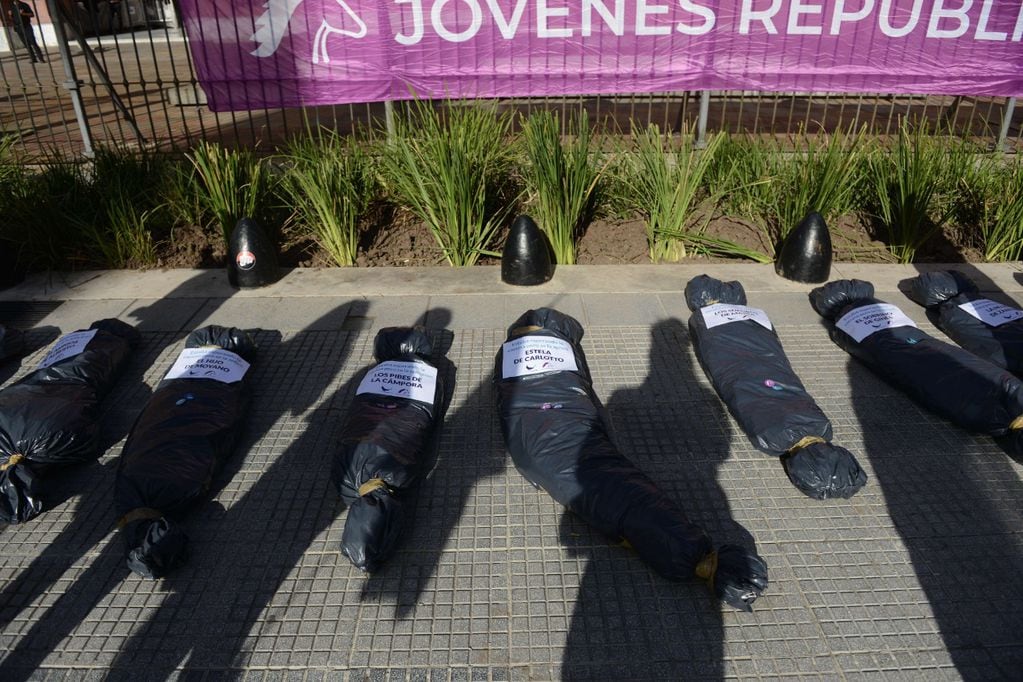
389 120
701 122
1003 133
72 84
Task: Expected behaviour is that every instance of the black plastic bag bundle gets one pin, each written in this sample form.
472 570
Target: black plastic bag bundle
179 443
984 327
388 433
945 379
742 356
51 418
12 343
556 433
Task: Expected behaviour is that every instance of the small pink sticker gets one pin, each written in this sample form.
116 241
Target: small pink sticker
245 260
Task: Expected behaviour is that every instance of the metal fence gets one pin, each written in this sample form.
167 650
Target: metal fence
124 77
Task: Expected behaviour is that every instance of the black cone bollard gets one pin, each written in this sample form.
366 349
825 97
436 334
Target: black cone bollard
806 254
526 258
252 258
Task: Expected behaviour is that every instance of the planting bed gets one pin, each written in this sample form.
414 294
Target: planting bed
405 242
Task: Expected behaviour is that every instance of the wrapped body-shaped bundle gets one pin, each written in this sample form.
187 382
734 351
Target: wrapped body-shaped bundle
555 430
989 329
740 351
12 343
945 379
178 444
51 418
388 433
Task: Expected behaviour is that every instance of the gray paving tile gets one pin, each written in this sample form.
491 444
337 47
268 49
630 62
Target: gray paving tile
516 304
72 315
492 579
165 314
622 309
286 315
482 311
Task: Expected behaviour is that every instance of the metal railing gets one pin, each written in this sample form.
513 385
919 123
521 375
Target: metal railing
135 85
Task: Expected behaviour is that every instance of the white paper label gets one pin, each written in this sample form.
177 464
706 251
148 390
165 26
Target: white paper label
208 363
394 378
718 314
991 313
536 355
67 346
866 320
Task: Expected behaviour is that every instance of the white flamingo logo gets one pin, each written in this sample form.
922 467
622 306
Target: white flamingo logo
272 24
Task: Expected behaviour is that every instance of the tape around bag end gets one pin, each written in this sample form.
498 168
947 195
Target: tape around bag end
738 576
19 491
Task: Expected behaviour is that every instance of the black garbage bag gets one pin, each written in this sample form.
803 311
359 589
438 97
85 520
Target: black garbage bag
50 419
987 328
556 433
179 443
389 431
945 379
12 343
742 356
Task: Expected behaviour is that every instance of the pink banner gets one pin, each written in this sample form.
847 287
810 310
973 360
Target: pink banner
270 53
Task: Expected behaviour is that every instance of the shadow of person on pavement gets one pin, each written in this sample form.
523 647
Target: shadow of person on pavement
35 339
246 553
468 451
955 502
628 622
88 532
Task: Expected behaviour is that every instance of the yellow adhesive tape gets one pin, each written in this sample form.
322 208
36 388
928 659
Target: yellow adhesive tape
371 485
11 461
806 442
707 567
139 514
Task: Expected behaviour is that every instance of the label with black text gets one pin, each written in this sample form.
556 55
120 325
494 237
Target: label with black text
722 313
399 379
869 319
536 355
68 346
991 313
209 363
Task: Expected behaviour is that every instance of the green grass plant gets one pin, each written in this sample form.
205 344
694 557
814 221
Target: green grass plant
329 184
125 240
708 245
48 210
181 194
230 185
12 179
127 186
452 171
907 181
665 178
1001 218
821 176
741 174
562 179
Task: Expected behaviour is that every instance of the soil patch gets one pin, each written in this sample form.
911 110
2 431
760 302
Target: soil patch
610 242
399 239
190 247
